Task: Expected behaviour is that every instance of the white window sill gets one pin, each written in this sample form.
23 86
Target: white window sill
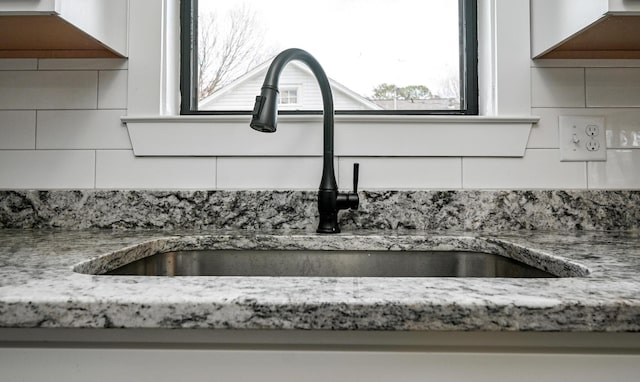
301 135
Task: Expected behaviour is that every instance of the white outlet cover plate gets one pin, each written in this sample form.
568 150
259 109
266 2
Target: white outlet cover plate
575 134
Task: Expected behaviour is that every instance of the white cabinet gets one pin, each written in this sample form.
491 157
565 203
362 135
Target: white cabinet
585 28
205 364
325 355
63 28
28 7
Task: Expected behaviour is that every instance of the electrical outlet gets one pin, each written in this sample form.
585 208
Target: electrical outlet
592 130
592 145
582 138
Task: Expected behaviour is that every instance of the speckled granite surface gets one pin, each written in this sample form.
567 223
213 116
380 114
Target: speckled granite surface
38 287
422 210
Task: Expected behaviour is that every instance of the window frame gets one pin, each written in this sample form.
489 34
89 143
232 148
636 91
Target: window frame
468 48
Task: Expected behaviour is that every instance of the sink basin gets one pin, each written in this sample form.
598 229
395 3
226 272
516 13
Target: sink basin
247 254
333 263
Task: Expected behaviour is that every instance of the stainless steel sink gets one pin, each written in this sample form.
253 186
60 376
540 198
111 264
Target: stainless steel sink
339 263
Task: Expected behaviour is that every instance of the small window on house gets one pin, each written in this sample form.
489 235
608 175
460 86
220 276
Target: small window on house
381 56
288 96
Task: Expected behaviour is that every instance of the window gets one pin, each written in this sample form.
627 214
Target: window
288 96
381 56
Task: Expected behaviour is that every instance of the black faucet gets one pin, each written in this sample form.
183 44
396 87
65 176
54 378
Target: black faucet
265 112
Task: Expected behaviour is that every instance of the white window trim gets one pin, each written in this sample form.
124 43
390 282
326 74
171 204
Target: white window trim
502 129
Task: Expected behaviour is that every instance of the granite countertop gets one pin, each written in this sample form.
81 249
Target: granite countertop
39 288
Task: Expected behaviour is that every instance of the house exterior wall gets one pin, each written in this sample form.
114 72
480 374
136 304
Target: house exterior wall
60 128
241 97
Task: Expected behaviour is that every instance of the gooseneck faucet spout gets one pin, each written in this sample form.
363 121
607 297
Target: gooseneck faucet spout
264 119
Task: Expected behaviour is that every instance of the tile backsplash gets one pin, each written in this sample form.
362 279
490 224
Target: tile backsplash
60 129
609 88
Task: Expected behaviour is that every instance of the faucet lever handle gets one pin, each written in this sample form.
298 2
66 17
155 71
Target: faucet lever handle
356 173
350 200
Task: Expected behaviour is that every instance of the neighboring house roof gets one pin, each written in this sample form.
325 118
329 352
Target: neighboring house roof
419 104
260 71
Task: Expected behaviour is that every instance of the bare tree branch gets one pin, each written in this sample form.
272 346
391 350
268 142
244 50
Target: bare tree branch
449 86
228 48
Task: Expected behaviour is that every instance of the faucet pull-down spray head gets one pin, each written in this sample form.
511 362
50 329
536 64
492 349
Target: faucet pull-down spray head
265 110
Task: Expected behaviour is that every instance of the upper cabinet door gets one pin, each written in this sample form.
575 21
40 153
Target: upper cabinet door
63 28
585 28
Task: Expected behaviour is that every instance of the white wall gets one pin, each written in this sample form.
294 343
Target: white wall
60 128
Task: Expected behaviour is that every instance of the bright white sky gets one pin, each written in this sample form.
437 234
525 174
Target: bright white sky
362 43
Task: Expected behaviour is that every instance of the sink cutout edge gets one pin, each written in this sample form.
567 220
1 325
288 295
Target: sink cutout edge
556 265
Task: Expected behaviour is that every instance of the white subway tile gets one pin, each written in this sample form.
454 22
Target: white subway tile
112 89
121 169
623 127
82 129
269 173
18 64
620 171
544 134
613 87
402 173
538 169
624 136
557 87
82 63
17 129
46 169
48 90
